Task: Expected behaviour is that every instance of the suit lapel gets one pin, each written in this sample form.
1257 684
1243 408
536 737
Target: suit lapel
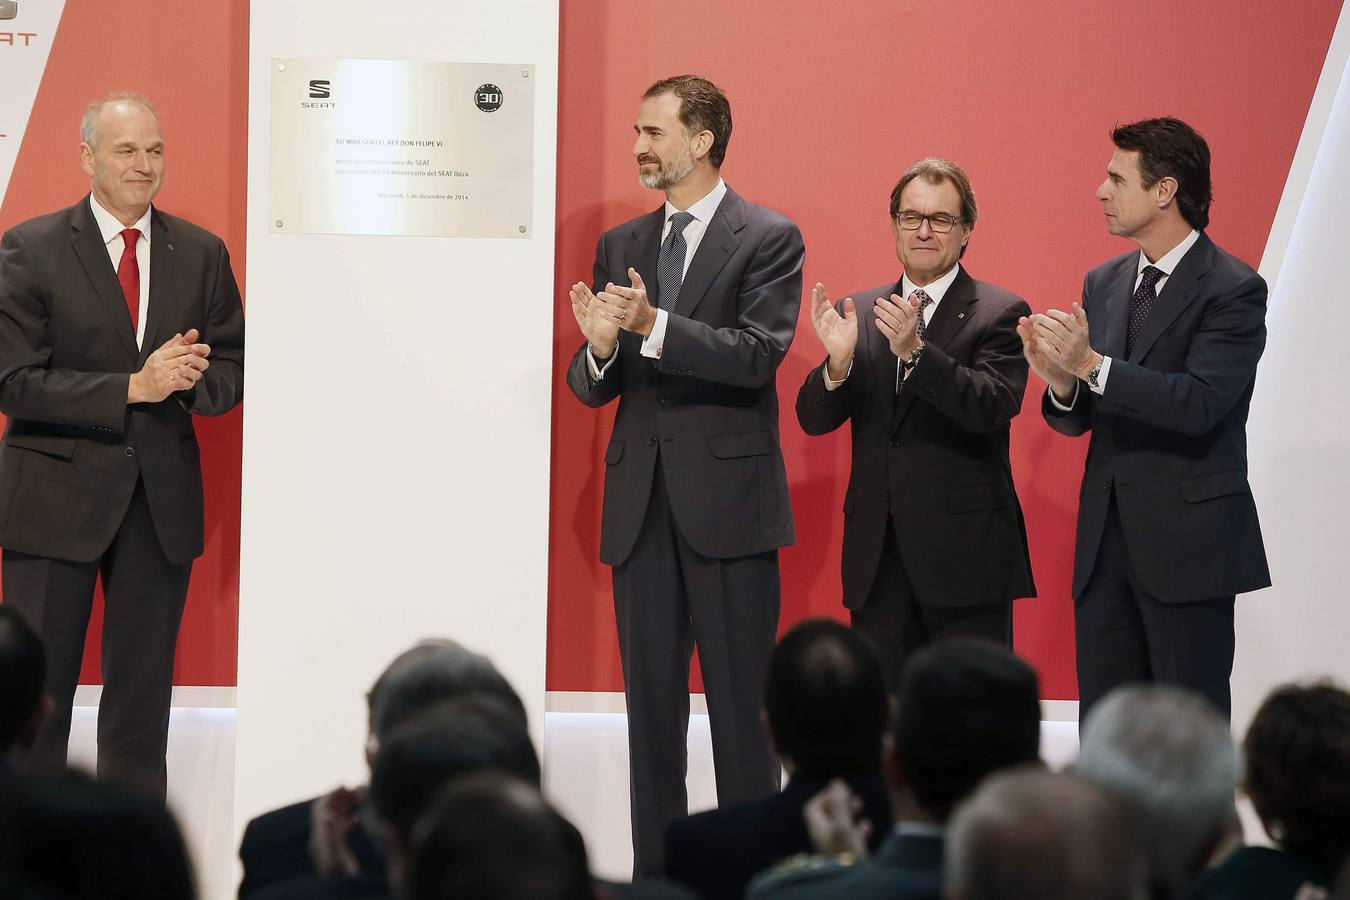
87 241
1181 289
1118 296
718 243
949 318
646 237
161 280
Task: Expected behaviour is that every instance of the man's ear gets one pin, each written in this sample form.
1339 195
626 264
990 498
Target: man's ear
1166 191
701 144
891 769
774 744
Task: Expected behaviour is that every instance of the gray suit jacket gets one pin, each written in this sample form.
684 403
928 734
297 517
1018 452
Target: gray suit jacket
709 403
73 449
1170 432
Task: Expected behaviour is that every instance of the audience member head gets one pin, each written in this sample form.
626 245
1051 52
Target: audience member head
1169 757
23 672
1298 771
73 838
456 737
825 701
429 673
965 708
1028 834
490 836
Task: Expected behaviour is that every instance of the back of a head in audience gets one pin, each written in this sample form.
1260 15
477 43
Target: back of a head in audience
1298 771
23 672
428 673
490 836
1167 754
825 701
76 839
965 708
1028 834
469 734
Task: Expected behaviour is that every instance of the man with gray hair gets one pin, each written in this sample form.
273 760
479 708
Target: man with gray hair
118 324
1028 834
1167 754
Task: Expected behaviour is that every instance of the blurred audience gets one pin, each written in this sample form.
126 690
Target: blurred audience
825 710
23 705
335 835
1028 834
1297 756
966 708
1167 755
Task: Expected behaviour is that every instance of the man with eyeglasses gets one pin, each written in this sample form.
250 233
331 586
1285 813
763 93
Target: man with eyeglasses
929 372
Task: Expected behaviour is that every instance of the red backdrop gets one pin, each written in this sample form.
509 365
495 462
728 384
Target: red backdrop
831 102
191 59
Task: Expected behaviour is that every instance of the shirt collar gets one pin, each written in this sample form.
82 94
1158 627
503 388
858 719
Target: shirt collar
917 829
110 228
1170 259
937 289
703 210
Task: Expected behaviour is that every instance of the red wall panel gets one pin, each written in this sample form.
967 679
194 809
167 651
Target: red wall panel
191 59
831 102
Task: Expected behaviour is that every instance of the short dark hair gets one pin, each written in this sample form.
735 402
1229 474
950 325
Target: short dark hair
23 673
1169 147
825 697
468 734
1298 770
703 107
488 836
71 837
965 708
432 672
935 171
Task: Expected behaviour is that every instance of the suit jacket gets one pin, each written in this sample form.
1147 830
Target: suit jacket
709 403
718 852
74 449
907 867
934 458
1170 431
275 849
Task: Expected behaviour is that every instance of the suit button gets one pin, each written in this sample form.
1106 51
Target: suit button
1106 487
885 498
651 443
895 443
660 399
129 451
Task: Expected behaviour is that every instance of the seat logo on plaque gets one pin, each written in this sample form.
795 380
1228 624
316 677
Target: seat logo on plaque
369 146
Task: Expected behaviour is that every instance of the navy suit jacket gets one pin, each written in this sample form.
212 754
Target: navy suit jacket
1169 434
907 867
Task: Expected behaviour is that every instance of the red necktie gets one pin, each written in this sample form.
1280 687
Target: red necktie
129 275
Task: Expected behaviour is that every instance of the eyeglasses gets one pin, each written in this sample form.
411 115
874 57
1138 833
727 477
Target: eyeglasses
941 223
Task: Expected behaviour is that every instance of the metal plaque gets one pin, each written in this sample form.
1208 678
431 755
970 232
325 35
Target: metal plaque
375 146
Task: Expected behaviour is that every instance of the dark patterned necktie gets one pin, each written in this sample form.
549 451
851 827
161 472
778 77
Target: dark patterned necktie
1141 304
925 301
670 262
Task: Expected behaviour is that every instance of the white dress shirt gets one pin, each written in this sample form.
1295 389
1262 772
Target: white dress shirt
1167 265
702 211
111 230
936 290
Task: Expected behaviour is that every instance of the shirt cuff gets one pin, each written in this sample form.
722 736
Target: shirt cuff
597 371
830 383
1101 377
1054 401
653 343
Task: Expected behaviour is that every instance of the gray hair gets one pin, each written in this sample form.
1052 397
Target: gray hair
89 121
1169 756
432 672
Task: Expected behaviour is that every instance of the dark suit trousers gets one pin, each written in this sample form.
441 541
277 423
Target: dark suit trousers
666 598
1125 635
143 604
898 623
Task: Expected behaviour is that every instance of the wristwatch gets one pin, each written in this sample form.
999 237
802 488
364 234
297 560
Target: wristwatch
914 356
1093 374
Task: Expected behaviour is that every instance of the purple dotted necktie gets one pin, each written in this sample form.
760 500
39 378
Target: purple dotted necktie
670 262
925 301
1141 304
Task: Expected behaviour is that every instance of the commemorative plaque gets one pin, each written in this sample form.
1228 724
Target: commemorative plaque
371 146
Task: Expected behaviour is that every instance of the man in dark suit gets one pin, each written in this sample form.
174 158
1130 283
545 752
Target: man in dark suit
1167 527
696 501
825 707
928 370
966 708
118 322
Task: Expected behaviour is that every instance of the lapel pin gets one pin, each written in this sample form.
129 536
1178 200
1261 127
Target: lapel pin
960 315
